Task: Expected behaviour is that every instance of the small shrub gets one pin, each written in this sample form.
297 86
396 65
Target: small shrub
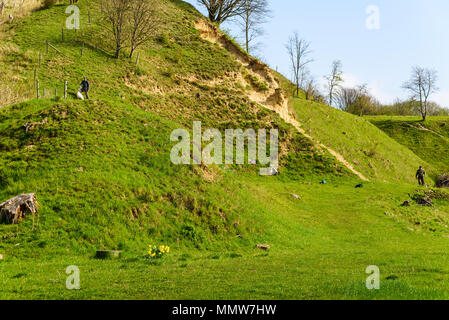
48 4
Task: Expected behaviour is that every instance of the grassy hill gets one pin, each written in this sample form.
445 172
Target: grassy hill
101 172
375 153
429 139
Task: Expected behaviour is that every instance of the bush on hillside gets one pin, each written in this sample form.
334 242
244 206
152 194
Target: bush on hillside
48 4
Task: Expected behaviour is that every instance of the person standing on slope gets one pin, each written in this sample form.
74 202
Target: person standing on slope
420 174
84 87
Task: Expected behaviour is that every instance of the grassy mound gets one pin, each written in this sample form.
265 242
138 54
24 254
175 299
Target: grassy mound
370 150
429 139
103 179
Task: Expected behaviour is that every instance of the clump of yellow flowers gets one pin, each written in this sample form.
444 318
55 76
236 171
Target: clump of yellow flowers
158 252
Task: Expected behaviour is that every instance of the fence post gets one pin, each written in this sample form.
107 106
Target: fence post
65 89
37 89
35 75
137 60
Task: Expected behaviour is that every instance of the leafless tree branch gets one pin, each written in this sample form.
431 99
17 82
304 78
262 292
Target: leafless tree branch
298 50
116 15
334 80
254 14
422 85
221 10
144 23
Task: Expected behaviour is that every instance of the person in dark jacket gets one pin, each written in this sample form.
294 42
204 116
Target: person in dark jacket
84 87
420 174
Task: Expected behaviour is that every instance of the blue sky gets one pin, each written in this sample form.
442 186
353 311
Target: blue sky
412 32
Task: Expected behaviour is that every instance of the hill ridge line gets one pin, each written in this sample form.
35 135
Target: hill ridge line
273 98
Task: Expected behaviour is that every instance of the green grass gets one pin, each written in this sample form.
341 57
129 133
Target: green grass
370 150
321 246
102 175
104 178
429 139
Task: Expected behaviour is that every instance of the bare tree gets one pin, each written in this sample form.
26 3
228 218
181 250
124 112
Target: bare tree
310 89
144 23
334 80
358 101
116 15
422 85
254 14
221 10
298 51
304 78
348 96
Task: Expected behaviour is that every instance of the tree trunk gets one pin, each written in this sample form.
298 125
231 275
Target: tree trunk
107 254
247 34
117 52
15 209
212 16
247 42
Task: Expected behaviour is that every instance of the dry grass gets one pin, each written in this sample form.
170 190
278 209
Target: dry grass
14 87
19 8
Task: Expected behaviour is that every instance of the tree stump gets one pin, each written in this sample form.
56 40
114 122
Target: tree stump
15 209
107 254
